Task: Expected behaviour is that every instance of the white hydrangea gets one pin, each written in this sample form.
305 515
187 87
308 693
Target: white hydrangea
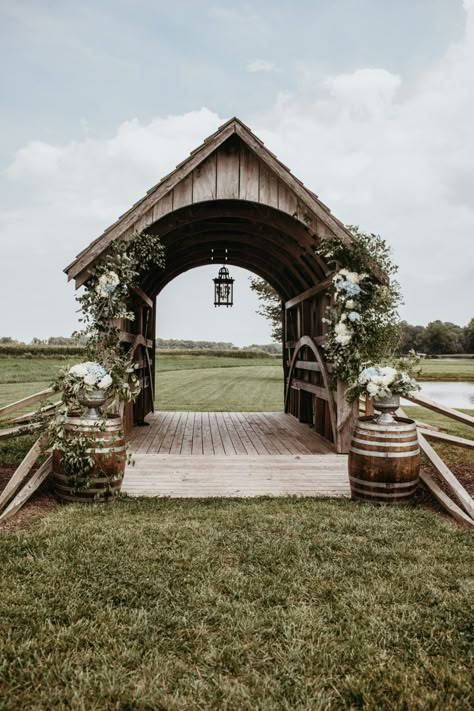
353 277
79 370
343 334
105 382
107 283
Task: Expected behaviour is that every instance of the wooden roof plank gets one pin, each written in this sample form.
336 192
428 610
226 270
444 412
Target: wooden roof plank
316 209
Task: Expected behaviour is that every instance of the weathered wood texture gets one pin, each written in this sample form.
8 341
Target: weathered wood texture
22 472
227 433
233 197
441 409
452 508
231 164
20 404
447 476
27 490
189 476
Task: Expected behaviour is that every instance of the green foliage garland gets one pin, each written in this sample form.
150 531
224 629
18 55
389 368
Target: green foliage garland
104 301
363 319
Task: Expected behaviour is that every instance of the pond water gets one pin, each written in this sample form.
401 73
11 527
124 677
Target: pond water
450 394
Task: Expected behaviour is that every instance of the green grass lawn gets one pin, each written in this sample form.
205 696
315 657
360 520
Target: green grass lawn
235 604
453 455
247 388
447 369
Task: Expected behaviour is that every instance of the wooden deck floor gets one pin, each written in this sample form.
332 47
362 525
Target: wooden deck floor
227 433
200 454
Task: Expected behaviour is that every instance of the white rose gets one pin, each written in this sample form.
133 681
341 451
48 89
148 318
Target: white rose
90 379
105 382
350 303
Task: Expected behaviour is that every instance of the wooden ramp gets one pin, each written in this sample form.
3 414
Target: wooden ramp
216 475
193 454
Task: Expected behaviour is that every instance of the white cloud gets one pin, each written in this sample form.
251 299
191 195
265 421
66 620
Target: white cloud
393 157
260 65
397 159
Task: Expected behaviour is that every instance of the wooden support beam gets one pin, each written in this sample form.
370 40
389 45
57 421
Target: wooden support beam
144 297
446 438
447 476
309 293
317 339
47 411
25 401
308 365
20 430
447 411
28 490
369 409
137 340
310 388
452 508
346 417
22 472
426 426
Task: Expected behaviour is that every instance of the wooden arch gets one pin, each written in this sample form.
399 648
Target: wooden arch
232 193
324 393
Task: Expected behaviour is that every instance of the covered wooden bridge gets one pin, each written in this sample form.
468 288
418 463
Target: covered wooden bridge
232 200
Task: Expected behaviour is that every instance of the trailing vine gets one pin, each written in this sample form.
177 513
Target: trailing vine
103 302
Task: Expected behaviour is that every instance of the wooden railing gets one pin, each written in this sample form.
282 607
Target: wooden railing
19 489
463 508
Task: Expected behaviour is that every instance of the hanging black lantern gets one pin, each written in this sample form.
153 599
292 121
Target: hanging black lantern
223 288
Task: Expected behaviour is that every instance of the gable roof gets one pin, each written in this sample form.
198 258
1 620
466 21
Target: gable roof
138 217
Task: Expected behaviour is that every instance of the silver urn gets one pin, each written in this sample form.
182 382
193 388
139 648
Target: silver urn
92 401
387 406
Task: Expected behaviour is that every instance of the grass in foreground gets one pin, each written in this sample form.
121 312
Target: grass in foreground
268 604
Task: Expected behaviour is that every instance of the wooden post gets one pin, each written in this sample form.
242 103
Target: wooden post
346 416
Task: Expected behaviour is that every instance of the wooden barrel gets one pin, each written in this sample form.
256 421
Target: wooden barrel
384 461
107 448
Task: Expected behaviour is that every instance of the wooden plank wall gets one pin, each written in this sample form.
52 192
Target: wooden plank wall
308 400
233 171
138 337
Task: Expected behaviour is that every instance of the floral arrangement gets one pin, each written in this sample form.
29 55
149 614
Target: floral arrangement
106 284
383 381
348 290
108 368
362 319
89 375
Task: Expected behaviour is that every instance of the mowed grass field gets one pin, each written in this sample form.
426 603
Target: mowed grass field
209 383
183 381
237 604
447 369
20 377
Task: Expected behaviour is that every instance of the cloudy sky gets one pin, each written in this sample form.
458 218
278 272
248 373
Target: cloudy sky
370 102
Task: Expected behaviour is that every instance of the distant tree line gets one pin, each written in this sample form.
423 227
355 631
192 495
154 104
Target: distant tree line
437 338
162 344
